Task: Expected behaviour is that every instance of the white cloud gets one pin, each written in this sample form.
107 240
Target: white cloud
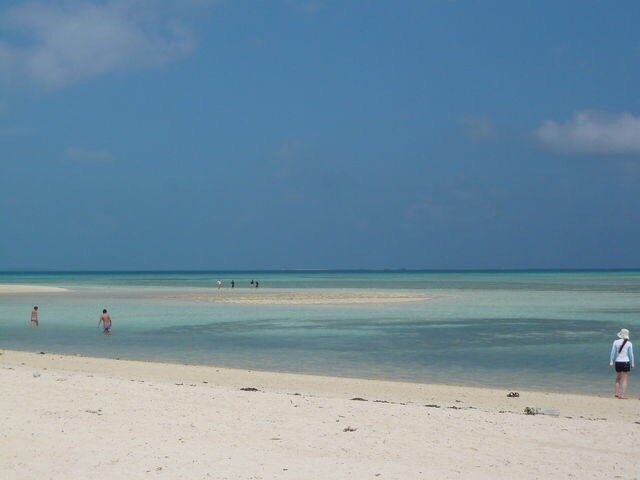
306 7
478 128
287 158
57 44
289 151
592 132
88 156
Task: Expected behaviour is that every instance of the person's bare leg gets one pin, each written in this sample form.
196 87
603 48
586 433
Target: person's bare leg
623 384
618 375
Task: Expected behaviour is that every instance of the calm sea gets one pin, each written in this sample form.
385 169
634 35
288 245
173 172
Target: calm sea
527 329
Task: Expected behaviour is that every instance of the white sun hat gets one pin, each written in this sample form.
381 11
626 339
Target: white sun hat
623 333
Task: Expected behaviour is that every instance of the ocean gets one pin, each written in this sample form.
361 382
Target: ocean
545 330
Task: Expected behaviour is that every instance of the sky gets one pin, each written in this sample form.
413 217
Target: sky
313 134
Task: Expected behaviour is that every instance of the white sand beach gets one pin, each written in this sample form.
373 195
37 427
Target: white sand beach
75 417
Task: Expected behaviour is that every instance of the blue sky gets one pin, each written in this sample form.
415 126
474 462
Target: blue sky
195 134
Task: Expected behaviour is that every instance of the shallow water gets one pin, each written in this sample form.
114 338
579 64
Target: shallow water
544 330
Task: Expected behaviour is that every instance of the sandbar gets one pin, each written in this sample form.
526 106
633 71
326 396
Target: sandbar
301 296
264 296
11 288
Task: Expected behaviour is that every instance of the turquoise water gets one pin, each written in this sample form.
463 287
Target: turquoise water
544 330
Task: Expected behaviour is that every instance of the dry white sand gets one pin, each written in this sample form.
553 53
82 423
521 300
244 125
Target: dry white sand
75 417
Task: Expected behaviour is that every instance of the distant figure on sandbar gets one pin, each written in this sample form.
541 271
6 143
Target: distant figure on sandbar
219 282
105 320
34 317
251 282
622 358
233 284
257 284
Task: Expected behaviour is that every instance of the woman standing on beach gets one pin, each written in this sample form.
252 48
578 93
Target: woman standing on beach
622 355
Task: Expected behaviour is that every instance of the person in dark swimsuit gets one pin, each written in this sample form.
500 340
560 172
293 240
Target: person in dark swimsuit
34 317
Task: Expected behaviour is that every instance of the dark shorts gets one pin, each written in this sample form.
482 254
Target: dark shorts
623 366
